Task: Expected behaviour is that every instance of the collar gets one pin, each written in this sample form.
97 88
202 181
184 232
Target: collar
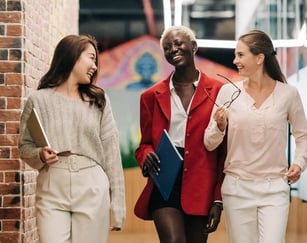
195 83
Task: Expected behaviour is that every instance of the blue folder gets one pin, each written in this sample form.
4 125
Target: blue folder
170 165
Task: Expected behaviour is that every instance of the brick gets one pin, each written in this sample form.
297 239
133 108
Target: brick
9 140
12 176
13 6
2 103
29 224
9 237
29 201
29 189
10 67
4 54
15 153
2 5
10 188
11 225
14 30
12 127
15 54
10 213
2 29
28 212
9 164
9 115
2 127
30 236
11 201
9 17
10 42
1 78
29 176
5 153
13 78
13 103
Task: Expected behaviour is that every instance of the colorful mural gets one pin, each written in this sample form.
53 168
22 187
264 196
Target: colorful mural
126 70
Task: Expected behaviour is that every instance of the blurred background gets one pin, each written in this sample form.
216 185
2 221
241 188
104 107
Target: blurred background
131 60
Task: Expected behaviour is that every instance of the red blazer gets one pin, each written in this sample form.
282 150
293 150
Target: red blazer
202 170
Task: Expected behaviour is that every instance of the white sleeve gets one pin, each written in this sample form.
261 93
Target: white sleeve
213 137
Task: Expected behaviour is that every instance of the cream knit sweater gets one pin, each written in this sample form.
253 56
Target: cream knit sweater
74 125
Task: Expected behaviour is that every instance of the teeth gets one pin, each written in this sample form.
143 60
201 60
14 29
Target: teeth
176 57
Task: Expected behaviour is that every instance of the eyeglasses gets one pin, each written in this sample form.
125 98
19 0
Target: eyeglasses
234 95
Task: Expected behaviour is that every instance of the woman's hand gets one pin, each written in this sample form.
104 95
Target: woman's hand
151 164
214 217
48 155
220 117
294 173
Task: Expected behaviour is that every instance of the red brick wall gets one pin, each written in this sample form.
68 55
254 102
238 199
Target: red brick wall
29 31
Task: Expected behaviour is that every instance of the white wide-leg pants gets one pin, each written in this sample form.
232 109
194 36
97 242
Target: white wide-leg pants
73 206
256 211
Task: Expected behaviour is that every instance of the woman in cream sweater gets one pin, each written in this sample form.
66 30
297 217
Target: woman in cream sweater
75 190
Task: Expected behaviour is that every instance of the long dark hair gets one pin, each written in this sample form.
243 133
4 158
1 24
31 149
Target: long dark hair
66 54
259 42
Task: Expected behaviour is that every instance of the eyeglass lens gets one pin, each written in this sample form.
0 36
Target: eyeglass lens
234 95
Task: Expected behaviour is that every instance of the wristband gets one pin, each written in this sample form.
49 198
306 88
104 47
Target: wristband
219 204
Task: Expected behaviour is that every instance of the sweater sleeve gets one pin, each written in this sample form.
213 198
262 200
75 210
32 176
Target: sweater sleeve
28 150
112 165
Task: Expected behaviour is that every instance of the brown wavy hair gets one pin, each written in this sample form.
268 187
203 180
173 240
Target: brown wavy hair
66 54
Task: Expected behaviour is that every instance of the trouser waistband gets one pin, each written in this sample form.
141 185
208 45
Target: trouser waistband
73 163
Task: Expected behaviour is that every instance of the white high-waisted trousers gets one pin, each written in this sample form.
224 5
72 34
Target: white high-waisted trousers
256 211
73 202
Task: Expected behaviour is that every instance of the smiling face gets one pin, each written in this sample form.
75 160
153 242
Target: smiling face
179 49
85 67
246 62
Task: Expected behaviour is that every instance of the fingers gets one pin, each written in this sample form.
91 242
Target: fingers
220 114
152 163
220 117
214 219
48 155
294 173
211 226
213 222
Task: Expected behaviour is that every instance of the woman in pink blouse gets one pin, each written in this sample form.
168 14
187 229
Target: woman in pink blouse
256 114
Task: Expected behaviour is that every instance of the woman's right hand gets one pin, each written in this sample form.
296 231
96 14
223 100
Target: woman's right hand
48 155
220 117
151 164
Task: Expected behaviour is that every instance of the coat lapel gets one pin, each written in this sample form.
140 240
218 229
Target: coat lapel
201 94
163 98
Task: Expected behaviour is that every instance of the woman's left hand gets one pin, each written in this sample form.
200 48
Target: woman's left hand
294 173
220 117
214 217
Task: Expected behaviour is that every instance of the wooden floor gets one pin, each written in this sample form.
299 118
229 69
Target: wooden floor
218 237
139 231
144 231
